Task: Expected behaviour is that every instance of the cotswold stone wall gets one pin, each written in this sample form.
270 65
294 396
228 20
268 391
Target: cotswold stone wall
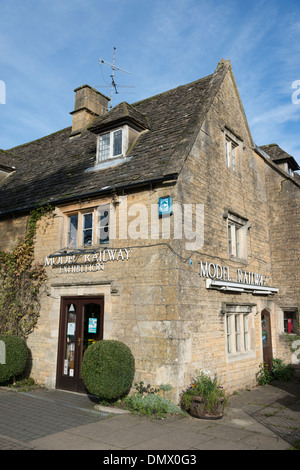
206 179
10 230
140 292
284 223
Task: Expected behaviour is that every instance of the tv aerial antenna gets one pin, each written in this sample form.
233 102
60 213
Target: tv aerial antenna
113 86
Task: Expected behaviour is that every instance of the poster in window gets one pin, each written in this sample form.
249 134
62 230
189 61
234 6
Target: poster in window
92 325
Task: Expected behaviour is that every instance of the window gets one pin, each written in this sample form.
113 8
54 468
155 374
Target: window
231 153
239 327
237 333
110 145
290 322
237 237
88 228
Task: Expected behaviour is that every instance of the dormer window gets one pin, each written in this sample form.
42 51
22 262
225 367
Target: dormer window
117 131
110 145
6 164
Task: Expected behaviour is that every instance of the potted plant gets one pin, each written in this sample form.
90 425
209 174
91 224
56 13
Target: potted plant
205 398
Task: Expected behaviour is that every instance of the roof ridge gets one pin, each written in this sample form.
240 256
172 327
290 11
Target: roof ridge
171 90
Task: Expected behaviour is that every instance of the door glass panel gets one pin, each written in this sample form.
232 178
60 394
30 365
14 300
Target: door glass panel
264 328
69 357
91 325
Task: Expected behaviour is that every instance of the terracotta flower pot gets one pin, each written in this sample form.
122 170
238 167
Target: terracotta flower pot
198 409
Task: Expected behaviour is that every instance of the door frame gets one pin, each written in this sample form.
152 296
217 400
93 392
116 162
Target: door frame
74 383
267 351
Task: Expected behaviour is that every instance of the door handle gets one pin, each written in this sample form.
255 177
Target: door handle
78 342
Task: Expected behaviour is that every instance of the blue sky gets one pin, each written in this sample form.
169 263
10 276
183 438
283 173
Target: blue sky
49 48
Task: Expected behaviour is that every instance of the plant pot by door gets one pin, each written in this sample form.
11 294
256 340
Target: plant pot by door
198 409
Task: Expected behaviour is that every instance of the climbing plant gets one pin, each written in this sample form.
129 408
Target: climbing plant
20 282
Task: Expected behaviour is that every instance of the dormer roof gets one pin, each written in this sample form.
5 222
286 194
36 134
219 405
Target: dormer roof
123 113
278 155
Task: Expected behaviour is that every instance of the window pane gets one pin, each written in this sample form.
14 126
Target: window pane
87 234
230 246
104 226
117 150
232 157
104 146
87 220
73 226
237 333
228 153
228 324
246 333
238 242
265 333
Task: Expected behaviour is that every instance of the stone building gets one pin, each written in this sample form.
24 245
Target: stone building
171 231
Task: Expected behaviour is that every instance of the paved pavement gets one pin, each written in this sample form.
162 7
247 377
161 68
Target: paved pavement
266 418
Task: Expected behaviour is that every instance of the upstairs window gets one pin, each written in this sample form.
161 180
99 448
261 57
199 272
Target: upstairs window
231 153
234 239
237 237
110 145
88 228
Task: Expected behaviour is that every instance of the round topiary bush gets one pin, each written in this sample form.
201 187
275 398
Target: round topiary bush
108 368
14 354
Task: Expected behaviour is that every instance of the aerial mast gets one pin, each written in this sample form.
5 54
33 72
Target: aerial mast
113 68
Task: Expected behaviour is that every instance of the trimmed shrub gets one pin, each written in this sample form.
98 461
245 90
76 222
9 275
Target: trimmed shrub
108 368
16 354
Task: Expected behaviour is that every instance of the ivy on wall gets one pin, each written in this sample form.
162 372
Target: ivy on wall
20 282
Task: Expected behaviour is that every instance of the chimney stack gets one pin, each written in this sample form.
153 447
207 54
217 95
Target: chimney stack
89 103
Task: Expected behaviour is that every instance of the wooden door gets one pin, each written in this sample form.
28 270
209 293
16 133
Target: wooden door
81 324
266 338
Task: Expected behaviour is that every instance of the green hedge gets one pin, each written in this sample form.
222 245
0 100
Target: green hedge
16 354
108 368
